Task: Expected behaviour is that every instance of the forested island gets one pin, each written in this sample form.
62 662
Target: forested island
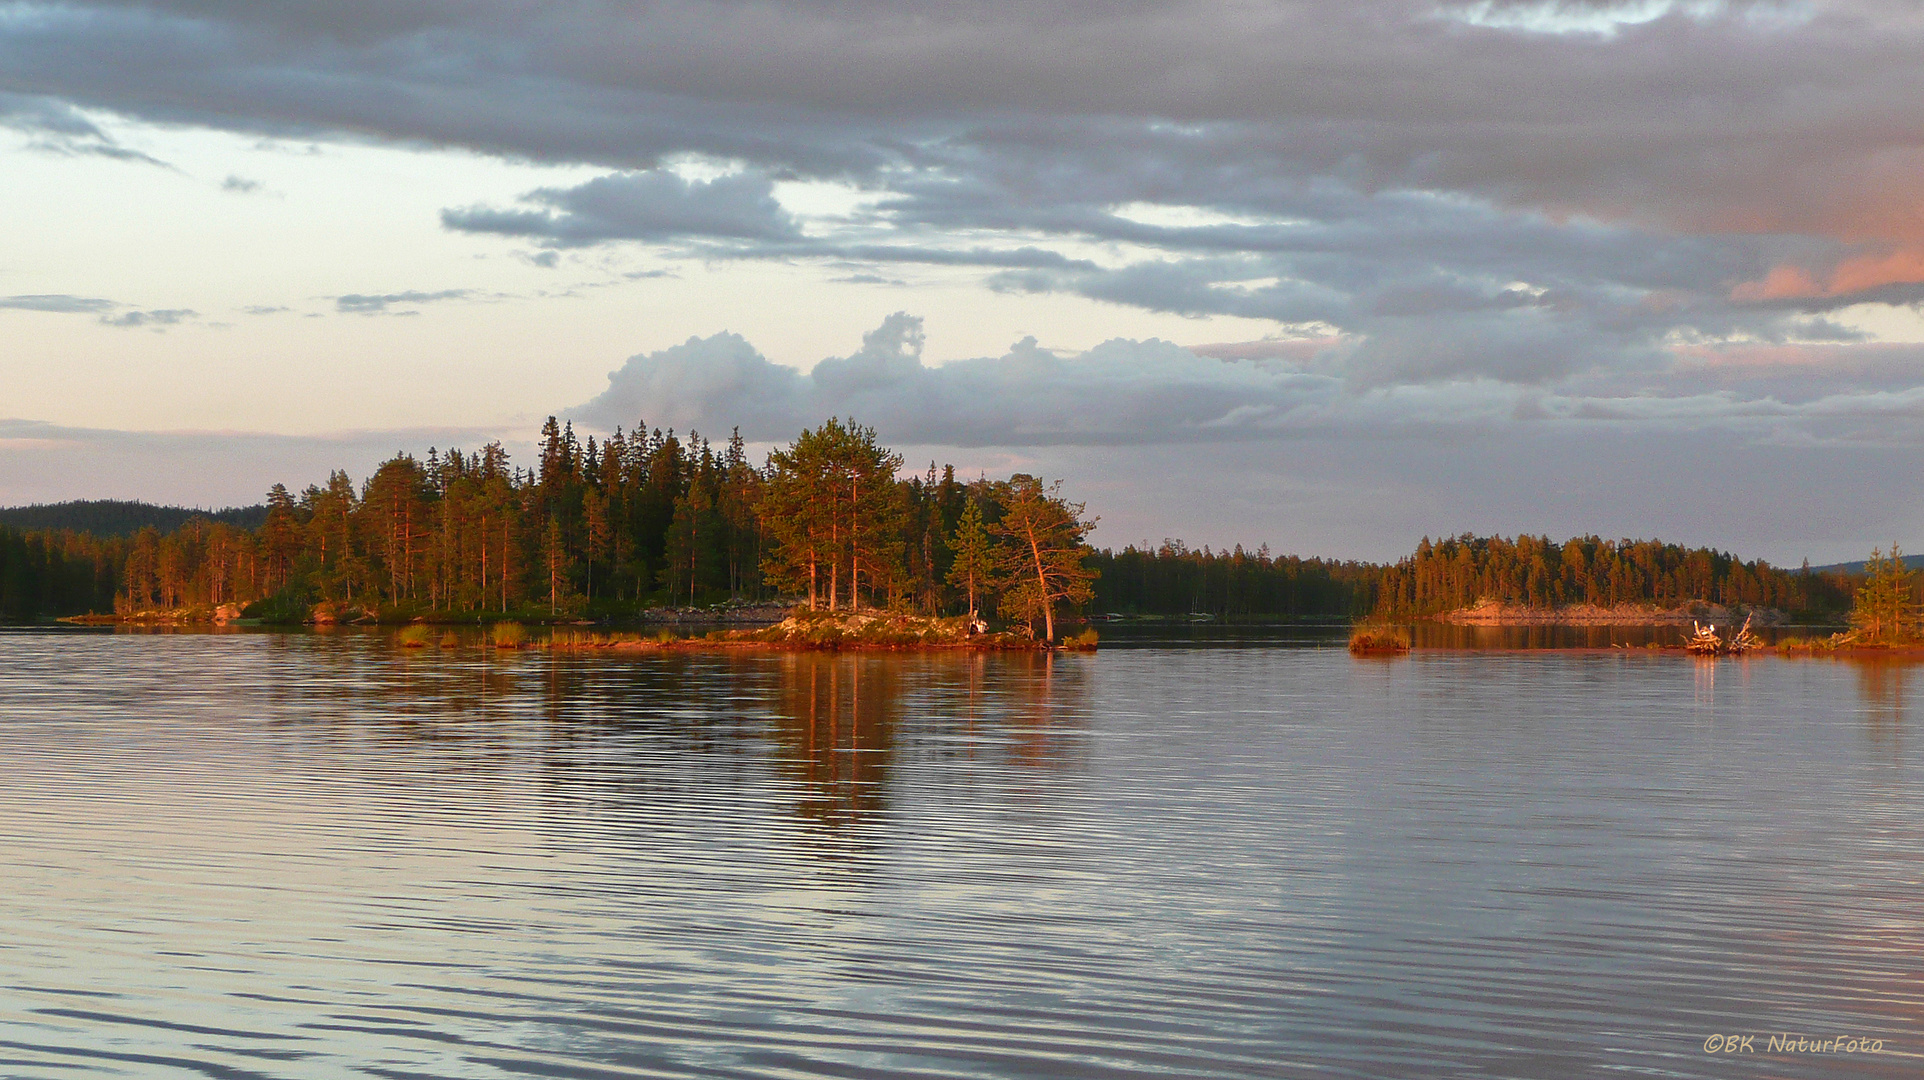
606 530
593 529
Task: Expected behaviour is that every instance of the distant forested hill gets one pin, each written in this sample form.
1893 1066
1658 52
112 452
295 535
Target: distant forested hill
1456 572
1856 569
111 517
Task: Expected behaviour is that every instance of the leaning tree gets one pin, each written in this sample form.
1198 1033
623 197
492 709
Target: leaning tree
1041 556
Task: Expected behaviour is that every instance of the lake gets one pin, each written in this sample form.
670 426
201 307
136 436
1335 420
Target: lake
259 854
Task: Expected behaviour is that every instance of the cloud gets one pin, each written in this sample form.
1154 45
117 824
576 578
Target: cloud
381 304
714 383
240 185
59 303
1768 124
655 205
1126 392
107 312
1522 222
156 319
1539 188
57 127
1272 443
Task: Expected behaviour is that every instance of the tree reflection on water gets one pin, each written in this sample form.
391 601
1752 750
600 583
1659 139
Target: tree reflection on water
627 731
1880 687
843 721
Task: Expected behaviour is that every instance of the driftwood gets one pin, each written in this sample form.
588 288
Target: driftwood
1704 641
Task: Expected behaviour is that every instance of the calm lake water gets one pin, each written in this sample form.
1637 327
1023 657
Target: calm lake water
314 855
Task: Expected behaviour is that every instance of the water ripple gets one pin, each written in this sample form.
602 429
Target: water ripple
316 855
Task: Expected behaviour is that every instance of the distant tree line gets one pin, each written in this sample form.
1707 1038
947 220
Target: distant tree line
594 527
115 517
1174 579
1457 572
1444 575
57 572
646 518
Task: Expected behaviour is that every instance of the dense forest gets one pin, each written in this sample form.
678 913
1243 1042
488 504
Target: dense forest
591 528
646 518
1444 575
1457 572
1175 580
57 573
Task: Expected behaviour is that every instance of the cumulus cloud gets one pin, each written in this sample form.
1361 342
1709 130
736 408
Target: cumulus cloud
1154 393
1119 392
1271 442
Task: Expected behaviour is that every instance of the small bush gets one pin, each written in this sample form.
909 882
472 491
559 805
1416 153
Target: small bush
450 639
1083 642
1378 638
510 635
414 636
285 607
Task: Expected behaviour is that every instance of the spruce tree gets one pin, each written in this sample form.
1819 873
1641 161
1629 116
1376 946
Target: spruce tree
974 563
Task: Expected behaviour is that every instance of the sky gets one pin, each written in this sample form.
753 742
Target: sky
1326 276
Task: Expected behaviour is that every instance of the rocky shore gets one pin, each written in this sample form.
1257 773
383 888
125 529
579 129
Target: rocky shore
833 630
1498 613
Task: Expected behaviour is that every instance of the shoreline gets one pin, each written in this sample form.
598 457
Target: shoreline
711 645
1501 613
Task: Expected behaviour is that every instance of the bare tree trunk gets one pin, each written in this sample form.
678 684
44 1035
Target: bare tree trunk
854 546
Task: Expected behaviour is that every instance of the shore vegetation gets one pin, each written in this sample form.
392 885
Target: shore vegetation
1378 638
1886 608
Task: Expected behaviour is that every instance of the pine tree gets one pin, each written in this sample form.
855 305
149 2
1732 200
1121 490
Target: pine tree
975 561
1885 613
1042 562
